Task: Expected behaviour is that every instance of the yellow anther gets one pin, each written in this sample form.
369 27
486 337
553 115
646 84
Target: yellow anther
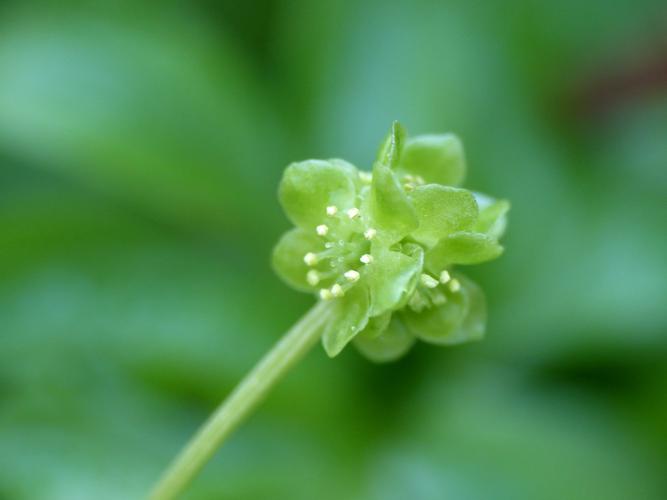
353 213
332 210
337 290
370 233
322 229
325 294
444 277
428 281
351 275
312 277
454 285
310 259
366 258
439 299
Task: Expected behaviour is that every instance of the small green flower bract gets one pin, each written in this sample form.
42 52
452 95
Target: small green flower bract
383 245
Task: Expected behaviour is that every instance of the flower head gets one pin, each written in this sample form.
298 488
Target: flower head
382 245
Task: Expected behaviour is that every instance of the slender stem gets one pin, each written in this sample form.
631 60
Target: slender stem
250 391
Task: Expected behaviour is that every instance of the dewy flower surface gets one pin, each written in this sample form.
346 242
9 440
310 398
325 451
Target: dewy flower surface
383 246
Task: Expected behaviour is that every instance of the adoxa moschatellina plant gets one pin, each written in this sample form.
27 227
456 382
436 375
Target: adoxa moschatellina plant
380 250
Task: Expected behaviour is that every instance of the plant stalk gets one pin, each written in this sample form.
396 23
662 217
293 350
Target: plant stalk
241 401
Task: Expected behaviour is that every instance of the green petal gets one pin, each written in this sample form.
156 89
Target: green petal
288 256
492 215
308 187
462 247
474 325
349 318
392 277
391 149
437 323
437 159
442 210
462 318
395 341
390 210
376 326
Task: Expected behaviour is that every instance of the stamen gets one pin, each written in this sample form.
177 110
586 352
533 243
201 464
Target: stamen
310 259
370 233
419 179
409 187
313 277
353 213
417 303
428 281
439 298
325 294
322 229
454 285
444 277
337 290
332 210
351 275
366 258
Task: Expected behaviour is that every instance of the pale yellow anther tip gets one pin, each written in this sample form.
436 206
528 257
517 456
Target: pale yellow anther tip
370 233
332 210
312 277
325 294
439 299
322 229
337 290
366 258
428 281
454 285
351 275
353 213
310 259
444 277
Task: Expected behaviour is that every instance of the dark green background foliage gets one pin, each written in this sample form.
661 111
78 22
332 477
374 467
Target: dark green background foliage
140 152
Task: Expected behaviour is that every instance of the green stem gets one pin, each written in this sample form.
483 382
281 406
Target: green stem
250 391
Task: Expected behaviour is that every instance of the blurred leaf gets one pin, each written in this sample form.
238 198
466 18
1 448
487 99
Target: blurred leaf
171 123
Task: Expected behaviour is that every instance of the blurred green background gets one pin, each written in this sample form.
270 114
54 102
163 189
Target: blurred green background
140 150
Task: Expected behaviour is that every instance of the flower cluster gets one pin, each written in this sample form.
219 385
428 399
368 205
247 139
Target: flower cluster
382 245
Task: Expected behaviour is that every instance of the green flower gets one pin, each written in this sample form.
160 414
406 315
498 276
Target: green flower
383 245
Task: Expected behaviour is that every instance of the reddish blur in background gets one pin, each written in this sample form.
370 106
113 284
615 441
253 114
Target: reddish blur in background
140 150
